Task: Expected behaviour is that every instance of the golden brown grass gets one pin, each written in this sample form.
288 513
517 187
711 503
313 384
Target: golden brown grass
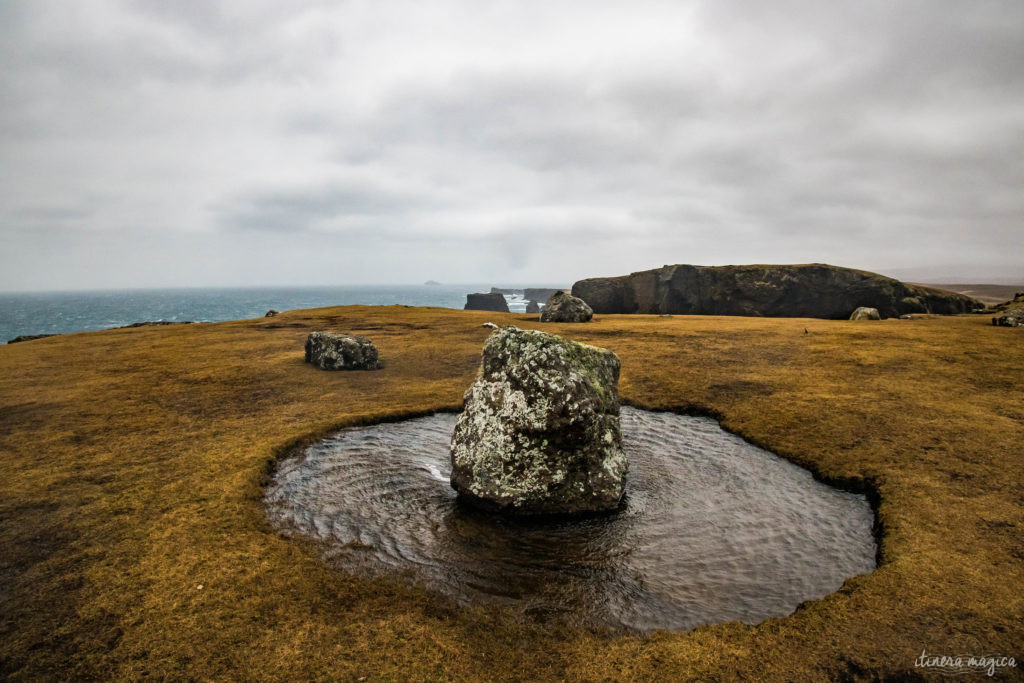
133 459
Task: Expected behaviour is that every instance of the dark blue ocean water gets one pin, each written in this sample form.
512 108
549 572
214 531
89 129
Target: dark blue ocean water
62 312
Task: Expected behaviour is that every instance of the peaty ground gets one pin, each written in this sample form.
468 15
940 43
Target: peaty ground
134 543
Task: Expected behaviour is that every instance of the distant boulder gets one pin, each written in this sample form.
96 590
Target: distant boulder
1011 318
486 302
797 291
865 313
566 308
333 351
1012 312
270 314
532 307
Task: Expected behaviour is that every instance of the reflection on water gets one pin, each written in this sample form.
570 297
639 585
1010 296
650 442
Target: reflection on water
714 529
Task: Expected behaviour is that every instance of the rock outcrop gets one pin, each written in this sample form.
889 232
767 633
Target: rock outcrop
812 291
333 351
153 323
506 290
865 313
271 313
539 433
566 308
532 307
28 337
486 302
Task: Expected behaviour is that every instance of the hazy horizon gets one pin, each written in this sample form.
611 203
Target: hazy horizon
150 145
908 275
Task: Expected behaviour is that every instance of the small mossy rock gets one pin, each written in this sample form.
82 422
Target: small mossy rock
493 301
566 308
865 313
1011 318
532 307
539 433
333 351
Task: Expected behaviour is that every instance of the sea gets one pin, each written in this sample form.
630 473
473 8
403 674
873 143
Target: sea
84 311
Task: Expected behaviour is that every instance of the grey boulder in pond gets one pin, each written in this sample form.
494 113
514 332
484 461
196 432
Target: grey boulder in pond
332 351
539 433
865 313
566 308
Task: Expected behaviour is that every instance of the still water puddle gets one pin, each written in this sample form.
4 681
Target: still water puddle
714 529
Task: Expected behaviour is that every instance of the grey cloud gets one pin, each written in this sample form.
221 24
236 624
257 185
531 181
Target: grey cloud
550 142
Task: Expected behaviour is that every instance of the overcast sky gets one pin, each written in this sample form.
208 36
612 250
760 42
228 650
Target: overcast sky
158 143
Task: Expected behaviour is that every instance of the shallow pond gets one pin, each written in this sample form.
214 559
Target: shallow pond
713 528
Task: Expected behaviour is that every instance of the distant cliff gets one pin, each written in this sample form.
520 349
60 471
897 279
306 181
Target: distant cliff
799 291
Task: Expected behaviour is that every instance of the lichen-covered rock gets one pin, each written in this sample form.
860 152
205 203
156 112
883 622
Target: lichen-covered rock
532 307
539 433
333 351
1013 317
865 313
493 301
1011 312
566 308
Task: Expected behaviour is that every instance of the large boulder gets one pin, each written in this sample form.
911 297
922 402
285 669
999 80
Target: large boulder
566 308
866 313
812 291
532 307
333 351
492 301
539 433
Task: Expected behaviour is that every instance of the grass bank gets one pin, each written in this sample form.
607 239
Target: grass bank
134 543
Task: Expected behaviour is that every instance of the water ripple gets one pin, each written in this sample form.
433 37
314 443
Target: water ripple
714 529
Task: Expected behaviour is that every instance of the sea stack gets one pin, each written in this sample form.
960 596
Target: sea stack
539 433
492 301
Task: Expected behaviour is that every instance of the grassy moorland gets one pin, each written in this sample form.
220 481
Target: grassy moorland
134 544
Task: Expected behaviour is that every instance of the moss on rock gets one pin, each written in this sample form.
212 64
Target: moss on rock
540 430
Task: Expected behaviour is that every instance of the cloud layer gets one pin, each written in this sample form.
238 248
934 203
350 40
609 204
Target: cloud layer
160 144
